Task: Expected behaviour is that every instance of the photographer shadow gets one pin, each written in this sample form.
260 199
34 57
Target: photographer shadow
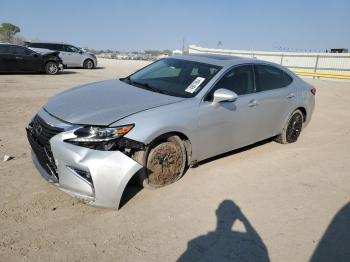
224 244
335 243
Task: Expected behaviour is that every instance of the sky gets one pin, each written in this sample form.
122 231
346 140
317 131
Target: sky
136 25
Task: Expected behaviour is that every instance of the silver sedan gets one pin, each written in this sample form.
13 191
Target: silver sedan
92 139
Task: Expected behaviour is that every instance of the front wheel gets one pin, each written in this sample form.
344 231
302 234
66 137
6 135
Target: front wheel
164 162
88 64
51 68
292 129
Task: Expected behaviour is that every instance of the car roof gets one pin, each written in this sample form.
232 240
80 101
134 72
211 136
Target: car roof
215 59
47 42
2 43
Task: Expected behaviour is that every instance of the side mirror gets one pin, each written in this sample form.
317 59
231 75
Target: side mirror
224 95
81 51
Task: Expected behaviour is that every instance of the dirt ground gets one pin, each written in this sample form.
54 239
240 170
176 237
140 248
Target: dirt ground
268 202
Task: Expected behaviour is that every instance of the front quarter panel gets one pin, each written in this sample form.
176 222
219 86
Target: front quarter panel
110 172
179 117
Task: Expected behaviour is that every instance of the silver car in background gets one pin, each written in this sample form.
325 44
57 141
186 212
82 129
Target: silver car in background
92 139
71 56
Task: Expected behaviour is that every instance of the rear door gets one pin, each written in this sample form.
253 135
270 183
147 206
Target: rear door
7 60
275 95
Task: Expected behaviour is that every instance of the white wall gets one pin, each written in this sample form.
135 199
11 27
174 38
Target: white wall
306 62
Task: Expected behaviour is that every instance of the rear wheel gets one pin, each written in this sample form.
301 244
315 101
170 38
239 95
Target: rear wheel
88 64
51 68
292 129
164 162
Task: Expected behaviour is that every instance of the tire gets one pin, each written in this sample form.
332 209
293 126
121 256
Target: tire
51 68
88 64
164 162
292 129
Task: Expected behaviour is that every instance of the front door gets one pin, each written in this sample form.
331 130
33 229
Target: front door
229 125
72 56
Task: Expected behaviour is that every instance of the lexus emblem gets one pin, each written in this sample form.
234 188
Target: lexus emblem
38 130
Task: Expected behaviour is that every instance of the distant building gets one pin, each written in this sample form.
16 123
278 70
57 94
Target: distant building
339 50
177 52
161 56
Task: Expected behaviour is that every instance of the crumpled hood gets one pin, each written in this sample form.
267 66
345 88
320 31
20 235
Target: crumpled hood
103 103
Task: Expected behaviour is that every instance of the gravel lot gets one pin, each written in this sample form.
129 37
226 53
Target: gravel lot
279 198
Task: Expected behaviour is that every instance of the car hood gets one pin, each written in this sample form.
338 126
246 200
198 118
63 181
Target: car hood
103 103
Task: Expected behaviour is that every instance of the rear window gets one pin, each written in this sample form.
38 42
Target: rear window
270 77
36 45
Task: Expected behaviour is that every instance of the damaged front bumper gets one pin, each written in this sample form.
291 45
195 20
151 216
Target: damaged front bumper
96 177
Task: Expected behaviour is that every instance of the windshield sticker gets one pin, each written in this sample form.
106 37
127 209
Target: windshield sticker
194 85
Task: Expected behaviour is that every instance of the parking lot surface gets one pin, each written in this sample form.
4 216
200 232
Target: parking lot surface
267 202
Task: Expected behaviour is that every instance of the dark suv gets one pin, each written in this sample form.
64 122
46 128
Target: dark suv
15 58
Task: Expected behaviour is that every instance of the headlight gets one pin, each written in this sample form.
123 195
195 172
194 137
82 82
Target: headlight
98 137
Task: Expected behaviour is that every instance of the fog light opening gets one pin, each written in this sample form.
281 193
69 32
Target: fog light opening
82 173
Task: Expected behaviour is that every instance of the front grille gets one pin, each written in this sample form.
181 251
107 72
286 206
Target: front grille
39 134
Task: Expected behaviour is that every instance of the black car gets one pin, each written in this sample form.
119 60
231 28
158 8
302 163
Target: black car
15 58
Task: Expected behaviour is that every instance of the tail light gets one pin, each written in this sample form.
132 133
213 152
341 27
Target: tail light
313 91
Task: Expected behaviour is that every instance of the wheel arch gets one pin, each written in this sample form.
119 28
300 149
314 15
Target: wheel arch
183 137
303 111
87 59
50 60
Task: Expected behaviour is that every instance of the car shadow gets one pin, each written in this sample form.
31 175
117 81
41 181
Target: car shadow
65 72
131 190
225 244
236 151
95 68
335 243
38 73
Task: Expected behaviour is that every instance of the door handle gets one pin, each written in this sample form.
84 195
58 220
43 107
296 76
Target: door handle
19 58
290 95
253 103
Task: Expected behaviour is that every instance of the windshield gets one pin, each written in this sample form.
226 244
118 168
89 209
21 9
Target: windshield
173 77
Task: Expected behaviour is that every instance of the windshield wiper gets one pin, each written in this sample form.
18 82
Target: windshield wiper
125 79
146 86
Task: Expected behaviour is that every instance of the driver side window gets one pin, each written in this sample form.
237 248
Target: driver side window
239 80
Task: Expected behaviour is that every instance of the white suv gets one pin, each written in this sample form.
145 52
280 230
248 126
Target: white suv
71 56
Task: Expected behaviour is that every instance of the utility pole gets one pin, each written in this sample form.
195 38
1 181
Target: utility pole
183 45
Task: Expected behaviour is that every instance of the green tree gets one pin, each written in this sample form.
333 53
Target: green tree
8 30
